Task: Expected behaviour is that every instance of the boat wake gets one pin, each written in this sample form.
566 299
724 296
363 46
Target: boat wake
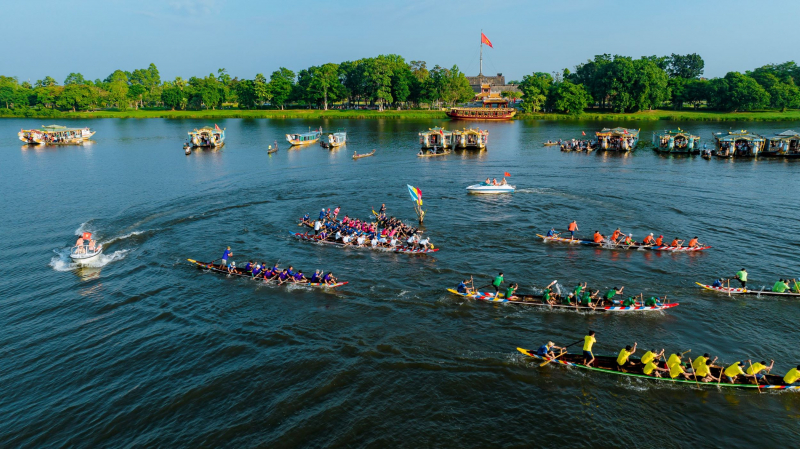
123 237
62 262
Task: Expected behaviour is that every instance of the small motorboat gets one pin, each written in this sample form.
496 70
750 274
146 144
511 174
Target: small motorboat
187 148
484 188
86 250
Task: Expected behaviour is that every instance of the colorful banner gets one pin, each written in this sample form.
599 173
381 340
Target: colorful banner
416 194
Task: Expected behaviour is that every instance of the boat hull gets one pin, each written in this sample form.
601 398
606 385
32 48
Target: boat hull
489 114
84 259
397 249
531 300
246 274
635 246
744 291
490 190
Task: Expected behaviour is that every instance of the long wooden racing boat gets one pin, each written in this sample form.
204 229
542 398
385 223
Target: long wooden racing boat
536 300
608 364
396 249
241 273
744 291
634 246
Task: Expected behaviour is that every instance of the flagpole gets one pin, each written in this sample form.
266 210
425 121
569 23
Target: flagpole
480 72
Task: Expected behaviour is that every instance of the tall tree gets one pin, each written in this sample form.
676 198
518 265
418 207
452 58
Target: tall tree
280 86
737 92
534 91
568 98
74 78
685 66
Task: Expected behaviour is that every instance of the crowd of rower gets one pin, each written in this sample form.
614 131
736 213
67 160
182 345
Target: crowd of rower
580 296
781 286
384 232
578 145
699 369
257 270
620 238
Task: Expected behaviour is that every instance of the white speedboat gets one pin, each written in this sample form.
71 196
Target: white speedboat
86 250
484 188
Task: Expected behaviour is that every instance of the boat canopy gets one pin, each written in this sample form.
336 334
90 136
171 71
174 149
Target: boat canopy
678 133
733 136
56 129
476 131
436 130
617 132
785 136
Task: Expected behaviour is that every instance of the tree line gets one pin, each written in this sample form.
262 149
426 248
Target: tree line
624 84
383 81
617 83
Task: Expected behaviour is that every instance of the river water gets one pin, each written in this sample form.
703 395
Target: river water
146 350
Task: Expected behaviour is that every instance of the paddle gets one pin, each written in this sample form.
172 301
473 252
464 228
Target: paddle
694 373
754 376
565 351
550 360
729 288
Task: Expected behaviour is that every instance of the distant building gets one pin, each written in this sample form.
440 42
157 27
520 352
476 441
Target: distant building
490 86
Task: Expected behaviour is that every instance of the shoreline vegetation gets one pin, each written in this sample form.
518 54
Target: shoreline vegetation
315 114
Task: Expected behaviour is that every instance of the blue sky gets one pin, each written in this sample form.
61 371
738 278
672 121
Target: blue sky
196 37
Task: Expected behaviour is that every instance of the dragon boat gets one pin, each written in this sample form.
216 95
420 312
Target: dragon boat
537 300
744 291
608 364
396 249
246 274
633 246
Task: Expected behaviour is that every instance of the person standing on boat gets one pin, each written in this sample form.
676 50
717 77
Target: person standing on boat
741 276
572 228
225 255
588 342
497 282
623 361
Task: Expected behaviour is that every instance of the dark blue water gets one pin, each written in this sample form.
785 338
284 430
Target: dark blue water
145 350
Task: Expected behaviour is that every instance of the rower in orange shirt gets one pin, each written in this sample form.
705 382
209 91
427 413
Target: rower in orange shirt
649 240
598 237
676 243
693 243
660 240
615 235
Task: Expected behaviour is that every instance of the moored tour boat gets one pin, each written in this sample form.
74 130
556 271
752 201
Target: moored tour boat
489 109
739 144
608 365
436 138
86 250
470 139
337 139
55 135
676 142
304 138
785 144
207 137
617 139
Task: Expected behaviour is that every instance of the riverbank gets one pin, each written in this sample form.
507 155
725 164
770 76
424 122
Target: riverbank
314 114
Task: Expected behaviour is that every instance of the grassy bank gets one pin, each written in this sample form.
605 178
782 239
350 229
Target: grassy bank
659 114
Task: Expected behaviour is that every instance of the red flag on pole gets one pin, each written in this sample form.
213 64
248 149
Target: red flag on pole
216 127
583 132
507 174
485 40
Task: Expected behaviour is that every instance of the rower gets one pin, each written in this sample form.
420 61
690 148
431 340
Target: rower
383 209
660 240
463 288
546 351
651 368
572 228
512 288
755 370
676 243
734 371
315 278
598 237
578 290
329 279
630 301
702 368
615 235
586 299
622 359
322 214
651 302
792 376
629 240
693 243
306 219
651 356
299 278
256 270
552 233
741 276
424 242
781 286
225 256
249 266
547 296
232 268
795 286
613 292
719 283
676 368
497 282
649 240
588 342
283 276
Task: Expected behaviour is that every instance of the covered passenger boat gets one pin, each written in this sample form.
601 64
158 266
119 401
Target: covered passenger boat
617 139
676 142
337 139
491 108
738 144
55 135
207 137
608 365
470 139
785 144
304 138
436 138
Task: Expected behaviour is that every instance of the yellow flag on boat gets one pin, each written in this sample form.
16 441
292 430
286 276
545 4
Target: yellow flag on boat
416 194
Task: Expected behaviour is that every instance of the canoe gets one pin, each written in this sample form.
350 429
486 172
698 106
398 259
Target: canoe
634 246
486 190
359 156
398 249
246 274
429 154
274 150
536 300
744 291
547 144
607 364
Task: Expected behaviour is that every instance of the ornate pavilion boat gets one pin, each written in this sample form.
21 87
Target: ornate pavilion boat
206 137
436 138
304 138
617 139
491 108
55 135
785 144
676 142
470 139
738 144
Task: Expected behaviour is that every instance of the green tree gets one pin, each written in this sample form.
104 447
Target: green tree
77 97
117 87
281 83
206 92
378 80
685 66
136 94
568 98
12 95
74 78
324 82
419 81
592 75
779 84
737 92
534 90
46 82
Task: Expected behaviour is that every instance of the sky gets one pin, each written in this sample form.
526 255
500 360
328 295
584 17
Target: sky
196 37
